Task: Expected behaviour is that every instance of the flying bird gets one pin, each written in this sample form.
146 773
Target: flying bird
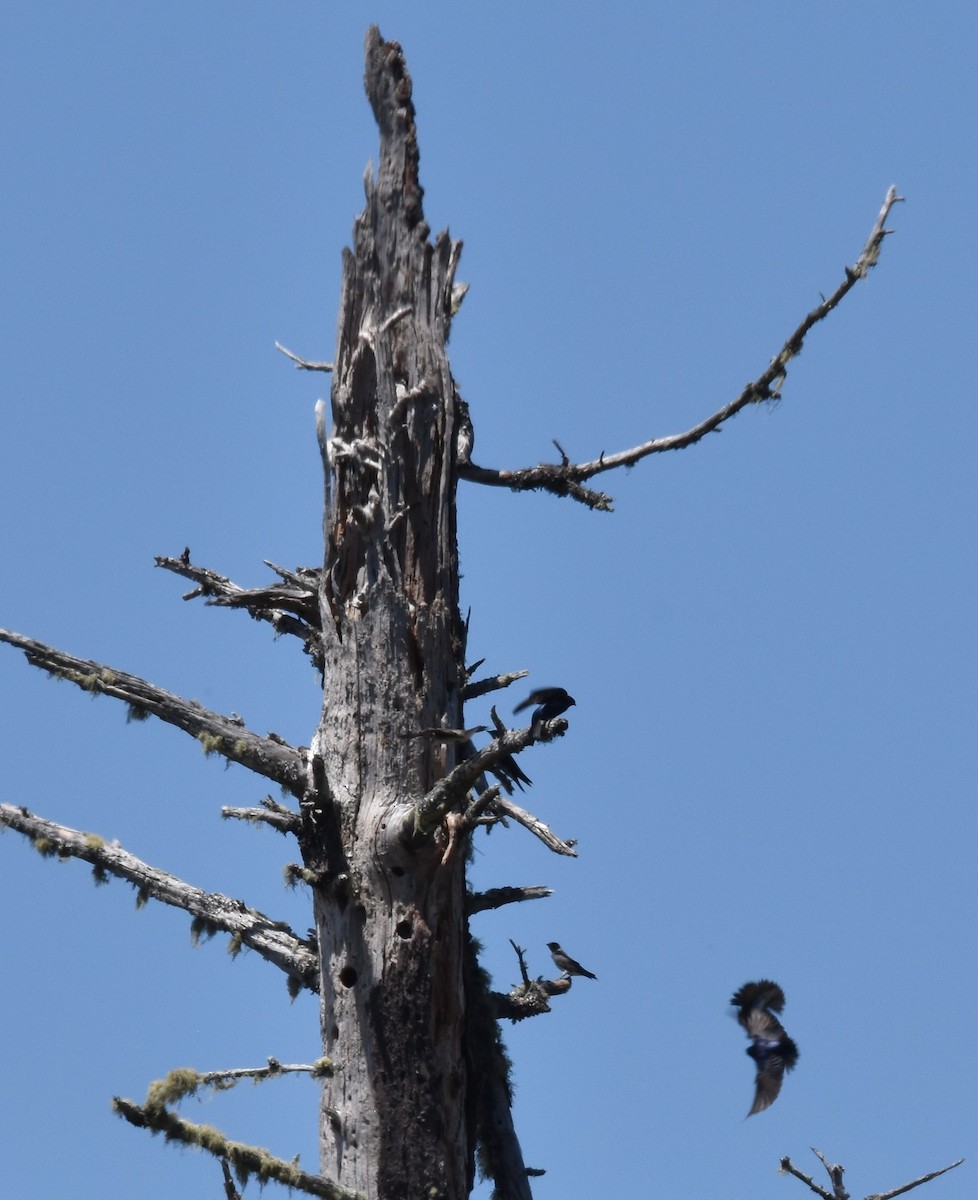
770 1047
550 702
564 962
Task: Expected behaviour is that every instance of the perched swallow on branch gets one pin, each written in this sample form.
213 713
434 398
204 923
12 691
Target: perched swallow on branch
771 1048
508 771
550 702
565 963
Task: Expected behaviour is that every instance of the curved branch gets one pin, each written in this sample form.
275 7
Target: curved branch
268 756
566 478
273 940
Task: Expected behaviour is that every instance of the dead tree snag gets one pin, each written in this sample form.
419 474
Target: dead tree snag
385 801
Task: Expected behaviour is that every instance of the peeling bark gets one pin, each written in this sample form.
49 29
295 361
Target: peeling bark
390 911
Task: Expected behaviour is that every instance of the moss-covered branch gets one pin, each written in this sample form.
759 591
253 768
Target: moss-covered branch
246 1160
269 756
212 912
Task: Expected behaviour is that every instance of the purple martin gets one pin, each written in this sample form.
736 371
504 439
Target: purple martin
564 962
550 702
508 771
770 1047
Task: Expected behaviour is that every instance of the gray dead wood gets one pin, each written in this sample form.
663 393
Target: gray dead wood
212 912
399 1115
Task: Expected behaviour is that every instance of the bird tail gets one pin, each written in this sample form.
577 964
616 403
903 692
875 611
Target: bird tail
762 994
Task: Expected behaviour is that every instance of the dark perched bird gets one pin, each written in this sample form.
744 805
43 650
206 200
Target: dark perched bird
508 771
770 1047
564 962
550 702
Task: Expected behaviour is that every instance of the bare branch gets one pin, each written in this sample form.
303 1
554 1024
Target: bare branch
447 736
273 940
301 364
483 686
521 959
230 1191
788 1166
226 736
565 478
914 1183
474 814
536 827
496 897
835 1173
271 813
292 607
531 998
457 784
247 1160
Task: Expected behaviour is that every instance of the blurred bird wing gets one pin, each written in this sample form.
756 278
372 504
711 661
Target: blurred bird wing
768 1084
547 695
771 1067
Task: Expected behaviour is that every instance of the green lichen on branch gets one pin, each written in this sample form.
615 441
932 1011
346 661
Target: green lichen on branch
246 1160
293 874
211 743
202 930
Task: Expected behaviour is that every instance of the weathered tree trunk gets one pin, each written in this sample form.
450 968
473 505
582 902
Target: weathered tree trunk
389 907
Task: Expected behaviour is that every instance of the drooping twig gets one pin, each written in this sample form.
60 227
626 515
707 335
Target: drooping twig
212 912
217 734
566 478
497 897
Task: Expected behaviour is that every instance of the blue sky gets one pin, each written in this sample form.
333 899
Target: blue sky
771 768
